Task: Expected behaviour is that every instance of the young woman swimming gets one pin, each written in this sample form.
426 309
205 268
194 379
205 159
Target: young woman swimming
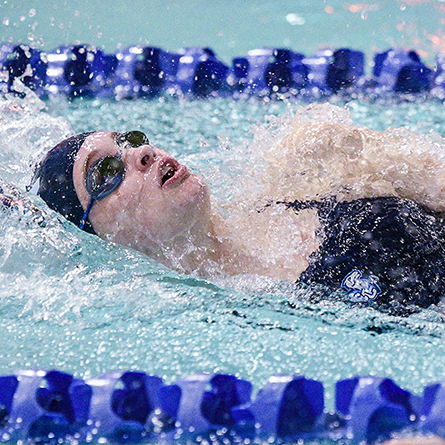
352 224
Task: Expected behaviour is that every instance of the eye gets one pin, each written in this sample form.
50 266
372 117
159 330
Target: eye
104 176
133 138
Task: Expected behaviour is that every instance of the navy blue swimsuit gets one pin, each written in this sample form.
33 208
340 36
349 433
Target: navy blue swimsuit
385 252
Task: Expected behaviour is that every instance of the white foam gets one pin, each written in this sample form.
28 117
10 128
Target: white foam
26 133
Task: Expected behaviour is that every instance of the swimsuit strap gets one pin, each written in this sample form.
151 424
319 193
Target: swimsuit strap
324 206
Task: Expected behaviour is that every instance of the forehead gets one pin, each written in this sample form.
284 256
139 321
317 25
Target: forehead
100 141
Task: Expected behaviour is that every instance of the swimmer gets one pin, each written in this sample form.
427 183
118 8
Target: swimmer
377 239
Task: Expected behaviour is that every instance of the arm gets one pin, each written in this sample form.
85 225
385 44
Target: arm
321 159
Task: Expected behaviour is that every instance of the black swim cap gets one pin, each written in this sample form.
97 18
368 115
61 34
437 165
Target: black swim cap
55 176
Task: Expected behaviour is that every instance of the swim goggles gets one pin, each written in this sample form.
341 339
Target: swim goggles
107 174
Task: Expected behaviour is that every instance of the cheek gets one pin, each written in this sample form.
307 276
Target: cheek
122 217
142 214
104 216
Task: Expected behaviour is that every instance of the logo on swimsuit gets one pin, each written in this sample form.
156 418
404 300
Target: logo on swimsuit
360 289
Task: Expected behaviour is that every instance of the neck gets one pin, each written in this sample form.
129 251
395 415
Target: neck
204 251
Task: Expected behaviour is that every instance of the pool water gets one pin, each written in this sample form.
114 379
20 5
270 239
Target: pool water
70 301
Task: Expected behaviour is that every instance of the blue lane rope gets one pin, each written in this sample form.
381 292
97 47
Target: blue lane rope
86 71
135 407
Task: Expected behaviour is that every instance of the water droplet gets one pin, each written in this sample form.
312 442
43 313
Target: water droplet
32 12
295 19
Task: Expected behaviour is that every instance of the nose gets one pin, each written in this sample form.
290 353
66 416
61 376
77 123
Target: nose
142 158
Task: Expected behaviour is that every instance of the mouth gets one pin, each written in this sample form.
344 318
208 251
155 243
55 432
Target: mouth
170 172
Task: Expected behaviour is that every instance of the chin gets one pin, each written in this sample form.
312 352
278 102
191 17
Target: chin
193 191
191 205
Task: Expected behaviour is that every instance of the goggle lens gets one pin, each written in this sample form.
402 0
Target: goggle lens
104 176
133 138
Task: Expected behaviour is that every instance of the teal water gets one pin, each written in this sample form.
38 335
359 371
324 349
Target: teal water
230 27
72 302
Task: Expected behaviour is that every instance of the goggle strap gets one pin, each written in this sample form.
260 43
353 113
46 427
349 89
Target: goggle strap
85 215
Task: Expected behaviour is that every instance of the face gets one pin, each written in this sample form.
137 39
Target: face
158 200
